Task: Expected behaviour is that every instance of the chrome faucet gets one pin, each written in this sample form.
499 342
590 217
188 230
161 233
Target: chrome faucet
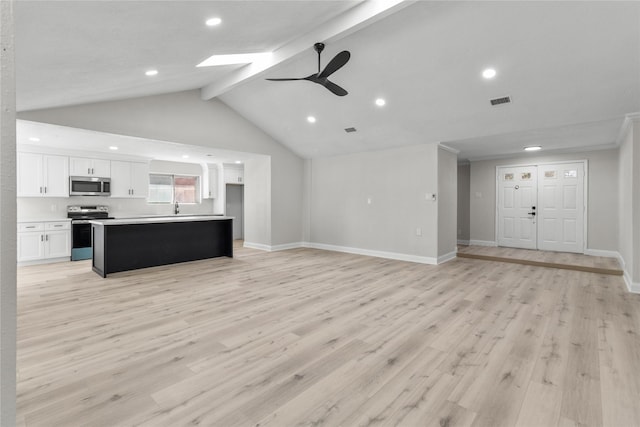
176 209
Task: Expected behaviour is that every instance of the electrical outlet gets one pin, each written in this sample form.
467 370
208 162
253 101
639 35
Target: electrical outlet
418 231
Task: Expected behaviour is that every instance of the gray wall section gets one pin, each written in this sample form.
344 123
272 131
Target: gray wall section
447 201
396 181
7 217
625 174
464 181
635 207
629 205
602 209
184 118
257 216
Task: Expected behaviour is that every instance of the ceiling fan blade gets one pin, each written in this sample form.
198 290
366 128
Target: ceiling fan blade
335 88
335 64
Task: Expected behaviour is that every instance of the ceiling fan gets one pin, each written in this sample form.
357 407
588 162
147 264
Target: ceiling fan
321 78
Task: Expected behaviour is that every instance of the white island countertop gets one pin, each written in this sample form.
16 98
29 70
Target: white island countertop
159 219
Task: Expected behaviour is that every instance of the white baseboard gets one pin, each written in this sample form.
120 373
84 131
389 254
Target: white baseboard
463 242
447 257
633 287
286 246
259 246
603 253
378 254
483 243
273 248
43 261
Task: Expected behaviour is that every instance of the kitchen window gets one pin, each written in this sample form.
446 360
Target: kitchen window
174 188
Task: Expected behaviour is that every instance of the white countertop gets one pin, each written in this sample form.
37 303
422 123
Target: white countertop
21 220
159 219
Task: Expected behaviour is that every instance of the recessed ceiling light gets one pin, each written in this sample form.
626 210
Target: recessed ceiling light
311 119
212 22
113 147
185 156
489 73
239 58
380 102
238 161
151 73
533 148
34 139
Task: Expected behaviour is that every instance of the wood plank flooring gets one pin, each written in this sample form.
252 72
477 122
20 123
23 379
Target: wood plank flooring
319 338
564 260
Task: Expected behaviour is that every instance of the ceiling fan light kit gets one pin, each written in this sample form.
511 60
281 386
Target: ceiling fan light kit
321 77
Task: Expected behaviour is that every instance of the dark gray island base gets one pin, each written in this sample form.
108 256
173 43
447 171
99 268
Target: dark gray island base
130 244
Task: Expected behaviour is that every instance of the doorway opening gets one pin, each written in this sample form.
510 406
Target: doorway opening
235 208
542 206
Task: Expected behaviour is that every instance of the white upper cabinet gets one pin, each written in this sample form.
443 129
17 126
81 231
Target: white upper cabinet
42 175
83 166
129 179
233 175
212 191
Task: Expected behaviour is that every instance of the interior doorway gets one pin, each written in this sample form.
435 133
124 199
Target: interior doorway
235 208
542 207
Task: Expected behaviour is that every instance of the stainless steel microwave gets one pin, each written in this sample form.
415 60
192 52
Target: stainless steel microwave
89 186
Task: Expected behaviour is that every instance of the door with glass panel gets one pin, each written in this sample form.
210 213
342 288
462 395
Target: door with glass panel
542 207
517 200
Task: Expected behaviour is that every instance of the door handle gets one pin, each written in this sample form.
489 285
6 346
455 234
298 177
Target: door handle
532 213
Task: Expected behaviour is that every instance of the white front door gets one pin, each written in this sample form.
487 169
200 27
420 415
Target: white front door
561 210
542 207
517 199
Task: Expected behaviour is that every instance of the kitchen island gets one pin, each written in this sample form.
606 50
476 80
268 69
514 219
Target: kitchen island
133 243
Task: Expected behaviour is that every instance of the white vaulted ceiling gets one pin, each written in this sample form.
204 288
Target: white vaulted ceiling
571 68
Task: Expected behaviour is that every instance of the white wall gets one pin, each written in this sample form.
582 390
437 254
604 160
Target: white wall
447 200
396 182
629 204
464 181
257 216
184 118
602 210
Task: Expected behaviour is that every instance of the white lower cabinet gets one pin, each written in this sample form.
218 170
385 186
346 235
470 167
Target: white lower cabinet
44 240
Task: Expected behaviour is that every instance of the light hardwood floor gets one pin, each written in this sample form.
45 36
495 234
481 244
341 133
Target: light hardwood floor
318 338
569 261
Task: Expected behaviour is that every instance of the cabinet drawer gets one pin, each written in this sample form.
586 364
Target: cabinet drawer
62 225
30 226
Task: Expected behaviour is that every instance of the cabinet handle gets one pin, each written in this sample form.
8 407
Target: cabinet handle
57 225
88 171
41 238
30 226
40 189
132 191
92 172
46 237
45 190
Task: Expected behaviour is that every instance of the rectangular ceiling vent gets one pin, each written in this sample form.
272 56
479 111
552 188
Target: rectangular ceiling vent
349 130
499 101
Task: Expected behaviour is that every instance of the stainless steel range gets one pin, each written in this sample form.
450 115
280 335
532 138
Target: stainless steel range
81 229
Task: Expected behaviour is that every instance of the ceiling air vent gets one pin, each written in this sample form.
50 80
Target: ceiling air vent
349 130
498 101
